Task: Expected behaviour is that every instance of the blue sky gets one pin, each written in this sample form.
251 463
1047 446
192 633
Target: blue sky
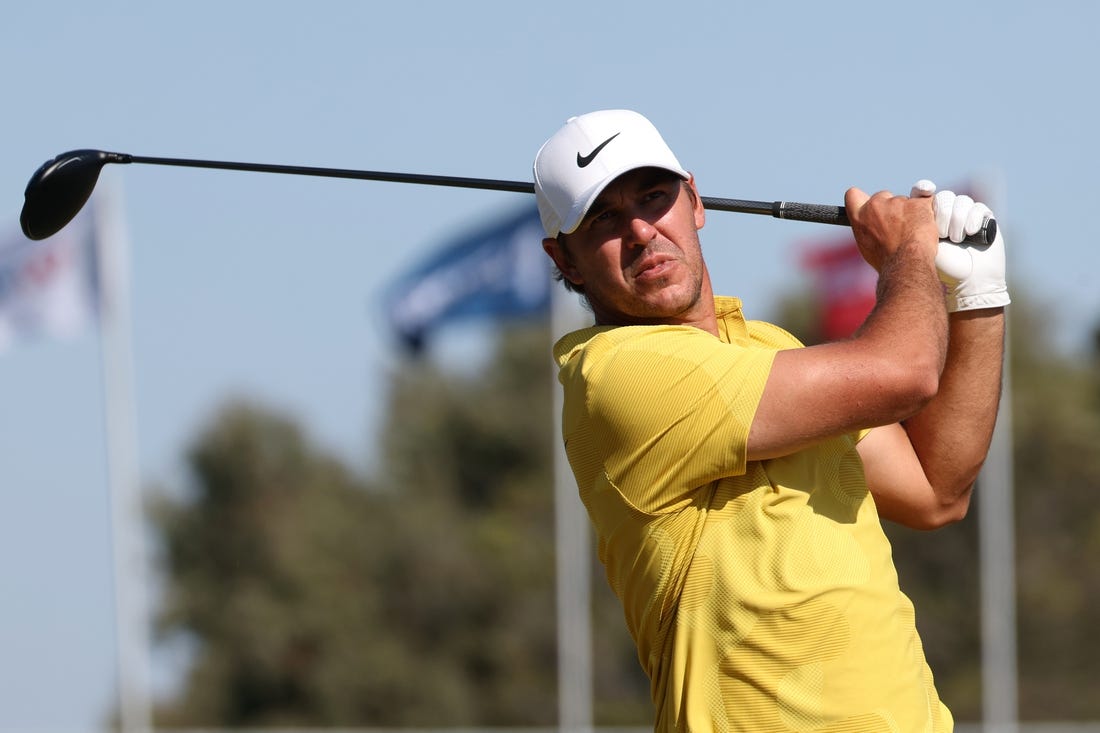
268 286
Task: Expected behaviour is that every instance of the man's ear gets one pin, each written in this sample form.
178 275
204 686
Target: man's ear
697 204
561 259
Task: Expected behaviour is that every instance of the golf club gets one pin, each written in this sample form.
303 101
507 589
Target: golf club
61 186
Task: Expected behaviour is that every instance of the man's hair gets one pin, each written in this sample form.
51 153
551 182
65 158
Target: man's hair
558 275
562 237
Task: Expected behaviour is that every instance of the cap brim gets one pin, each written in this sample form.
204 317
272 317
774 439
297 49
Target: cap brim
581 207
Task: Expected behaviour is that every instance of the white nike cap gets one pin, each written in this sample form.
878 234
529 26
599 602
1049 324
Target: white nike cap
588 153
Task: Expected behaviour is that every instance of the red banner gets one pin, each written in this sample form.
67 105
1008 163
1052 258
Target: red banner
845 286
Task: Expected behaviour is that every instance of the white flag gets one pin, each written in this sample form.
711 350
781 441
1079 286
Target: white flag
49 287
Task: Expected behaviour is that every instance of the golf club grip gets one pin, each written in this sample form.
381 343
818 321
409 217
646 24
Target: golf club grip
838 215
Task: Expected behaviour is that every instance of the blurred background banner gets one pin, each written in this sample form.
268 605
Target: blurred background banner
844 285
498 270
48 288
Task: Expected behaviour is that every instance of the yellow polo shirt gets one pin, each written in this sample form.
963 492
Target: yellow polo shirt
761 595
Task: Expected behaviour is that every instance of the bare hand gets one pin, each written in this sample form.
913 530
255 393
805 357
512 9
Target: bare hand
884 223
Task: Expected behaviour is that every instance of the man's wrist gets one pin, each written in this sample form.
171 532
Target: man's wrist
977 301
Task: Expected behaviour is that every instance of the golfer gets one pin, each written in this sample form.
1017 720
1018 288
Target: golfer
737 480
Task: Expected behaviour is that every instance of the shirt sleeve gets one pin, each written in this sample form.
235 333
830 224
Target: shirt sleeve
671 410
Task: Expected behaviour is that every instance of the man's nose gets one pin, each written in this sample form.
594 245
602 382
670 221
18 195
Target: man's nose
641 231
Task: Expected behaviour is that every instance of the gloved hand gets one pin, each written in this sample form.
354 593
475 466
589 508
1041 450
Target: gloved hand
973 275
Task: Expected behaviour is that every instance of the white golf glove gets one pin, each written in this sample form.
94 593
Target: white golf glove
973 275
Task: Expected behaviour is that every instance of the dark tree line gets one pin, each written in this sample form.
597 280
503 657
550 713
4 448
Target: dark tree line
423 595
420 596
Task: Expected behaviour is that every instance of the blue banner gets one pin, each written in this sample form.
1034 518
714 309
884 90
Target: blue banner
498 271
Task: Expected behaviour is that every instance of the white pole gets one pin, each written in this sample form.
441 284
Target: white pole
571 542
127 518
998 577
996 529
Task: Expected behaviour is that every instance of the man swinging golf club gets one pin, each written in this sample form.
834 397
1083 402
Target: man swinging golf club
736 479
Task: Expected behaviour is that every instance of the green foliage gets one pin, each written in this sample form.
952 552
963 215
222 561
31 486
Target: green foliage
259 559
424 596
1056 467
1055 411
1056 405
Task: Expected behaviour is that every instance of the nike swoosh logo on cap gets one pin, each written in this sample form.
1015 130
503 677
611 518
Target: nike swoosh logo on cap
584 160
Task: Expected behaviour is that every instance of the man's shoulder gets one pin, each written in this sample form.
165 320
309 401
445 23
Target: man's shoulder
598 341
601 340
772 336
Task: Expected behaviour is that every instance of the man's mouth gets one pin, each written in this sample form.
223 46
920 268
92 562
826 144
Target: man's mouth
652 267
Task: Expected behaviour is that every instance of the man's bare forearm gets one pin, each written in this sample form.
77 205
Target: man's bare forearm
951 435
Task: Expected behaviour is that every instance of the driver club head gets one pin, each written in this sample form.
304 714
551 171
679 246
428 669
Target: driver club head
60 188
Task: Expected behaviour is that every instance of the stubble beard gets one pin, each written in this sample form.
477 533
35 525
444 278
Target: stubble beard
661 302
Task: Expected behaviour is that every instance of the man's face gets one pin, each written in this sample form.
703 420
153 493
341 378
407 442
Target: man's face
636 254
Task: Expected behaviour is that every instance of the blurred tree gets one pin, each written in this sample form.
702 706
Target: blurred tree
424 597
479 450
259 558
1056 465
938 571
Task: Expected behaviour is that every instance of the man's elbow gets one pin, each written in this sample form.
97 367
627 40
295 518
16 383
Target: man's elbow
943 513
911 388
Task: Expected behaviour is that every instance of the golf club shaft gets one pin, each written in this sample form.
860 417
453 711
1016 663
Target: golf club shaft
792 210
734 205
61 186
429 180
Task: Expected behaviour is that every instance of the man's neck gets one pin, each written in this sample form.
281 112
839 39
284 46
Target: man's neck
700 315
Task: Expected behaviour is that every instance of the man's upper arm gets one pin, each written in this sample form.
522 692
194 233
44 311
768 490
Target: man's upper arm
823 391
